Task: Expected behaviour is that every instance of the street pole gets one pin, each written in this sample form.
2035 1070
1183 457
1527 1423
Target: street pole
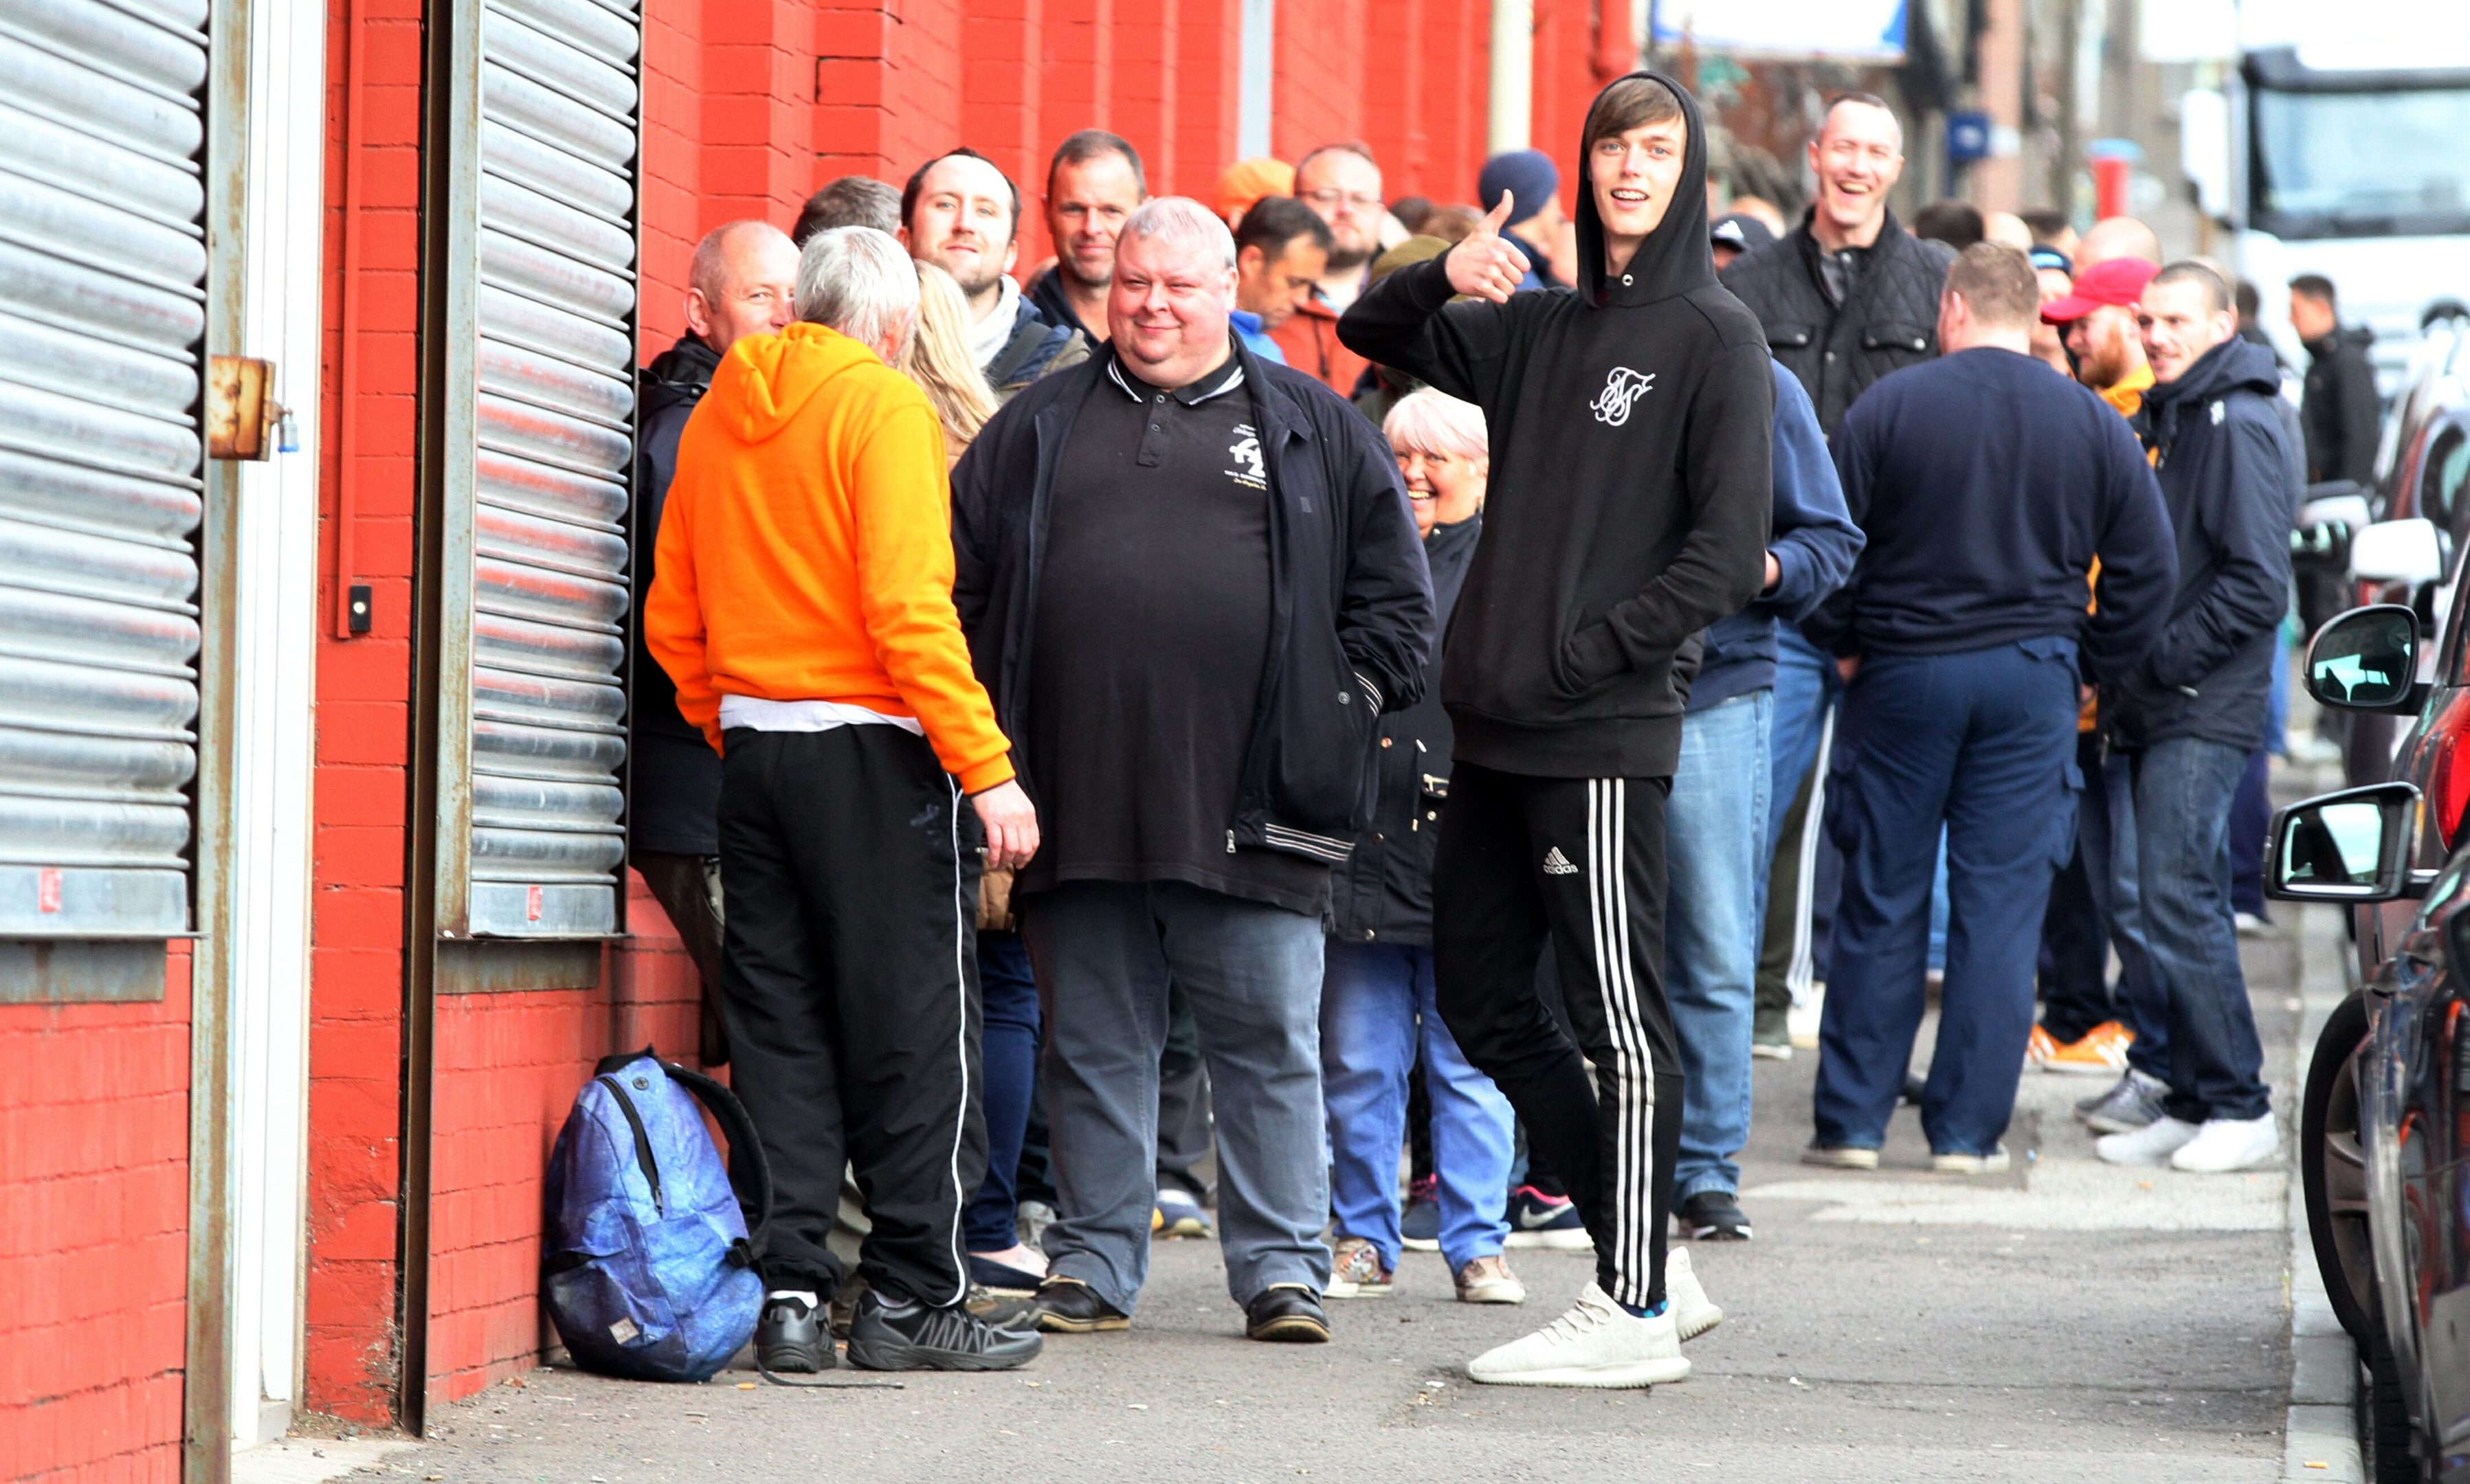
1512 111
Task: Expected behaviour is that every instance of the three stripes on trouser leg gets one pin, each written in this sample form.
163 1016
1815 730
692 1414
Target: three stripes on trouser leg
1629 1199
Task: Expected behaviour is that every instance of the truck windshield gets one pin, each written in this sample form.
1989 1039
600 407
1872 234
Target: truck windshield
2379 164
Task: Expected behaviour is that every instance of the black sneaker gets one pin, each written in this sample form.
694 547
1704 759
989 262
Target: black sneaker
912 1336
1287 1312
1067 1306
789 1336
1419 1230
1714 1216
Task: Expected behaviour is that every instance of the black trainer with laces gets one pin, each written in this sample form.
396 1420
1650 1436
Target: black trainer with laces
1287 1312
913 1336
789 1336
1714 1216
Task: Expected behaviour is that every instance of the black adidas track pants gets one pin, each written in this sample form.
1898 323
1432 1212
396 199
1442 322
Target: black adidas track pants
1577 863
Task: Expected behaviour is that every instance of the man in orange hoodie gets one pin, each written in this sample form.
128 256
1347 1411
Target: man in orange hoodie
803 607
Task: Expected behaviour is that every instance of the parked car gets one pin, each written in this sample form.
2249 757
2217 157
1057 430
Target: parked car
2384 1118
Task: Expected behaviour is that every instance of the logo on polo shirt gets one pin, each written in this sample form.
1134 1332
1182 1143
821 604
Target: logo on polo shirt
1246 451
1623 387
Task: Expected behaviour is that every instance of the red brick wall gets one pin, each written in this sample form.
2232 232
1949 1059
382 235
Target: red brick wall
94 1215
364 721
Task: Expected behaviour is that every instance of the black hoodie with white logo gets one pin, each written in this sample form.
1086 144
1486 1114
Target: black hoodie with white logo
1629 496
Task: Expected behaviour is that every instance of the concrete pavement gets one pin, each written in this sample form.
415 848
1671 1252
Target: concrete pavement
2068 1322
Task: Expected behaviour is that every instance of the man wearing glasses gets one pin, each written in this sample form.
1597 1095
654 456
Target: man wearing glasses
1343 184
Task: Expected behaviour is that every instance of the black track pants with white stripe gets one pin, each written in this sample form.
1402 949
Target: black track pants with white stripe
1578 863
849 979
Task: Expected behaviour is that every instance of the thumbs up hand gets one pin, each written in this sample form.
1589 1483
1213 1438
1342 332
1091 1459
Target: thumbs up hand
1487 265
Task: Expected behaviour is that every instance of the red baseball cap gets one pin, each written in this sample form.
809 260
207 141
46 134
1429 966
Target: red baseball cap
2114 281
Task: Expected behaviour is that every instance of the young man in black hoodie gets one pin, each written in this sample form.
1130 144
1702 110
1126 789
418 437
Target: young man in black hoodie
1629 510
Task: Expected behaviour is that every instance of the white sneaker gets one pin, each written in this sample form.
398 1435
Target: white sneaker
2226 1144
2150 1144
1596 1343
1997 1162
1685 1299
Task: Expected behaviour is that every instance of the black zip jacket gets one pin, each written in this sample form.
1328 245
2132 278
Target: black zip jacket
1629 494
2224 474
1888 319
1383 892
2342 411
673 803
1350 607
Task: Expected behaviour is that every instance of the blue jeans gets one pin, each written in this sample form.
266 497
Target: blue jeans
1982 742
1712 832
1806 686
1104 952
2182 806
1376 1009
1008 1075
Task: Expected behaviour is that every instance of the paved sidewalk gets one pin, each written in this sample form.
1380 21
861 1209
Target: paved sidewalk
2070 1323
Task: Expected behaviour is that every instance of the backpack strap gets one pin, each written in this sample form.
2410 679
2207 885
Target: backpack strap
748 1170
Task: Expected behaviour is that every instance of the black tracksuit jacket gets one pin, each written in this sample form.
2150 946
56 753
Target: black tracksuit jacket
1630 491
674 804
1351 608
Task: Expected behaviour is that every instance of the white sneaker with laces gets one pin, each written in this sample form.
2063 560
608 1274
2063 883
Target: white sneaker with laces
2150 1144
1693 1313
2226 1144
1596 1343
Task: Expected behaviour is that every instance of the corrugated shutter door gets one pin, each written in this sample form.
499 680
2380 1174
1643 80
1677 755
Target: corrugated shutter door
554 424
102 260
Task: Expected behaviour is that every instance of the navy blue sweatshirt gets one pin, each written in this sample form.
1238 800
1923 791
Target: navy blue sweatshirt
1987 483
1814 543
1628 504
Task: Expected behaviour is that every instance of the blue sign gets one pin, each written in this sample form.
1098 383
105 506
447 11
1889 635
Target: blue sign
1968 137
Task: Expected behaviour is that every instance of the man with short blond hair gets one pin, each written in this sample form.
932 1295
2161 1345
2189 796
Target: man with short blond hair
804 610
1190 581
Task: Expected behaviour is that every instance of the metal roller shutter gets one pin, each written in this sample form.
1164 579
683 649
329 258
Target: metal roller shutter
102 260
538 547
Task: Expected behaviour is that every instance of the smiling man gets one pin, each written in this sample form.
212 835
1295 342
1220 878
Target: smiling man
1223 590
1849 295
962 213
1093 183
1629 509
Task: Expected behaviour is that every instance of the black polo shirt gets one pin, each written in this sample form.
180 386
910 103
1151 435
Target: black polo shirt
1152 632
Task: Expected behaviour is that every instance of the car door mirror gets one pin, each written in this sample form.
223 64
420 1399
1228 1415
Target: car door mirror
2397 551
2351 847
2367 660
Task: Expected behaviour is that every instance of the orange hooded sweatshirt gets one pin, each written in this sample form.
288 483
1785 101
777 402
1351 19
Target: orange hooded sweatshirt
806 550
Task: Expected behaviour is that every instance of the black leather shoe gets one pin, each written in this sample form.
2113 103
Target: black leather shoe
1067 1306
913 1337
1287 1312
789 1336
1714 1216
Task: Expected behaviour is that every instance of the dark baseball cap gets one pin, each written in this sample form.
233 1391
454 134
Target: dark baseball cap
1740 231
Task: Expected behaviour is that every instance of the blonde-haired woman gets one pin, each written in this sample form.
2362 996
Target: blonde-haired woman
1377 978
940 362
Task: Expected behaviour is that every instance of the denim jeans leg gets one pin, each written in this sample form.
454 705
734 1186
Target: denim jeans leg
1712 832
2142 1008
1101 978
1368 1046
1474 1136
2183 802
1010 1067
1253 973
1895 755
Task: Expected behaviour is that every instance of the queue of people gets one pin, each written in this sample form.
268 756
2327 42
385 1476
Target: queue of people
1079 746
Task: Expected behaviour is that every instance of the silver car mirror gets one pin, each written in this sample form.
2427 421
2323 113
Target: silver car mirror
2351 847
2367 660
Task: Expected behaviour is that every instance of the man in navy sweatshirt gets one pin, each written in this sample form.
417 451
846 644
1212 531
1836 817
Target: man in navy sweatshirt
1628 510
1715 828
1987 488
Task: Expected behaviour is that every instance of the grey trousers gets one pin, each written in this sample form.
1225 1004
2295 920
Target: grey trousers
1103 953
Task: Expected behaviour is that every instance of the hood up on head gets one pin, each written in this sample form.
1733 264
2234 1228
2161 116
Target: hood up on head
1675 258
765 378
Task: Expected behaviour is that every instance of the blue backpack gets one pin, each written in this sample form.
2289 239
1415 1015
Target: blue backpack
647 1270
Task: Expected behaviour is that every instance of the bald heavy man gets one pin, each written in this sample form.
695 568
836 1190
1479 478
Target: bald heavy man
738 285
